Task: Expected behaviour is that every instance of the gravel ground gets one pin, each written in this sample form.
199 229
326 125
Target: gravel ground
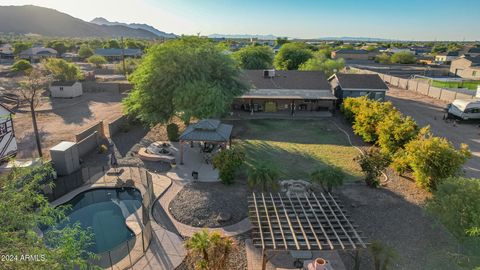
199 204
393 215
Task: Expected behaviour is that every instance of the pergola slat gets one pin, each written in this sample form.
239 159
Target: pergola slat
301 222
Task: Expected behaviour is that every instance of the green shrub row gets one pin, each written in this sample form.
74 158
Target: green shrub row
399 138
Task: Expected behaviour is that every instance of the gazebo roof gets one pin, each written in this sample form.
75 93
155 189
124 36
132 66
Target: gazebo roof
207 130
301 222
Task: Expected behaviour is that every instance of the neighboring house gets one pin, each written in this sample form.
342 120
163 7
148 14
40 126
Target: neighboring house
425 59
35 54
473 52
466 67
68 56
285 90
6 52
276 48
357 85
446 58
68 89
117 54
8 143
420 50
397 50
354 54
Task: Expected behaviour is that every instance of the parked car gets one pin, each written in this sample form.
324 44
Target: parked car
465 109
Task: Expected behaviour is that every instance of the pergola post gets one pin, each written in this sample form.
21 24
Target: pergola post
181 152
264 259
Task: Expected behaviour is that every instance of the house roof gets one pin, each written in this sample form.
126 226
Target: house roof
38 51
207 130
351 51
360 81
66 83
287 79
474 50
290 94
449 54
475 60
118 52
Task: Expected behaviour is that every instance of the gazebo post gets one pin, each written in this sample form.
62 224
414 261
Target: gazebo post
181 152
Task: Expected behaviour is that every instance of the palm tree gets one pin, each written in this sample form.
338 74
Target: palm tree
263 176
209 250
328 178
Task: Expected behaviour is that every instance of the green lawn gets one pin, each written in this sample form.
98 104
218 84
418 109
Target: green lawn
472 85
296 147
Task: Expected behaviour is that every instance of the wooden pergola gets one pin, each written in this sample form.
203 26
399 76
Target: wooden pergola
302 222
206 130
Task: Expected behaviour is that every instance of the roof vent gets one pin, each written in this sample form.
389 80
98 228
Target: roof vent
269 73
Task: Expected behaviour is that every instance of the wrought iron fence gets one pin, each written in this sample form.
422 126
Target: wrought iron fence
125 255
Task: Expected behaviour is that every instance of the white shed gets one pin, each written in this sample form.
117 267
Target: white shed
68 89
8 143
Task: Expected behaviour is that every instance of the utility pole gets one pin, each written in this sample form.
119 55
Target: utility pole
123 58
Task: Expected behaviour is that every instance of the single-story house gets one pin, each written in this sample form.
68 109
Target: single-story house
420 50
68 89
8 143
35 54
398 50
445 58
466 67
285 90
113 54
357 85
6 52
354 54
473 52
69 56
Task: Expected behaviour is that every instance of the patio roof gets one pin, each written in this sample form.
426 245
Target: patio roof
301 222
207 130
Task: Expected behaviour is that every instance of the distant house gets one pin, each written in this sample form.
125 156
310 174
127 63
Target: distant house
398 50
6 52
420 50
473 52
466 67
36 54
8 143
68 89
425 59
68 56
353 54
286 91
113 54
276 48
446 58
358 85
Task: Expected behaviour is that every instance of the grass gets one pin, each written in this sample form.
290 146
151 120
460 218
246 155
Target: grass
297 147
471 85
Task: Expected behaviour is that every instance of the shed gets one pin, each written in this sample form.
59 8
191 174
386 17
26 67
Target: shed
65 158
358 85
68 89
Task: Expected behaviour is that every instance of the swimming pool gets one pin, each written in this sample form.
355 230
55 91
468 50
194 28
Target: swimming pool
104 210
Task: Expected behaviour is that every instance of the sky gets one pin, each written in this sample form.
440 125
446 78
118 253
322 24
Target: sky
401 19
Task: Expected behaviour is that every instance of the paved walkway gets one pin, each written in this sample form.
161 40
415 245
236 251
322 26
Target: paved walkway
193 160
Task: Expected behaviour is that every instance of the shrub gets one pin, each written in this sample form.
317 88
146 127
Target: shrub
263 176
383 58
383 255
328 178
21 65
63 70
368 117
97 60
228 162
172 132
372 163
403 58
456 203
433 158
209 250
351 106
395 131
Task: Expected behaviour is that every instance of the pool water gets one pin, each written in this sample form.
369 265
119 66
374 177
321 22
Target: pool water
105 210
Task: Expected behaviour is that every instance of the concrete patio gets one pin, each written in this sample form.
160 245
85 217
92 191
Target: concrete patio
193 160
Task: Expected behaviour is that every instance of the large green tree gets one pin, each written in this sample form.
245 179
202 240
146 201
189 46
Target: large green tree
23 209
63 70
320 62
292 55
187 77
255 57
85 51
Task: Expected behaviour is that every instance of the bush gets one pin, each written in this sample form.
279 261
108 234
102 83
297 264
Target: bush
172 132
433 158
63 70
209 250
328 178
263 176
383 58
403 58
372 163
21 65
351 106
97 60
228 162
395 131
368 117
456 203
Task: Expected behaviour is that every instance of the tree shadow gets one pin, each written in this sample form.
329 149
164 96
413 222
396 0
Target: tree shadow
129 142
27 144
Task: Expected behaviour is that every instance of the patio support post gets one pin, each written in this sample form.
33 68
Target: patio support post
264 259
251 106
181 152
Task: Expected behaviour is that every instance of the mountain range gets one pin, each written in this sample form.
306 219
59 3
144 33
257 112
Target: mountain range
243 36
103 21
50 22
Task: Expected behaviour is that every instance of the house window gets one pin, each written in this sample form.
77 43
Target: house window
61 88
474 73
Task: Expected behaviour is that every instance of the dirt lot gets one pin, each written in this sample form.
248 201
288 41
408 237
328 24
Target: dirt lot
61 119
429 111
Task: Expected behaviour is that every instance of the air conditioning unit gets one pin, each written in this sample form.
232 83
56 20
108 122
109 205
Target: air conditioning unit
269 73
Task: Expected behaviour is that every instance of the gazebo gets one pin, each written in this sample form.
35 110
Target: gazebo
300 222
207 131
